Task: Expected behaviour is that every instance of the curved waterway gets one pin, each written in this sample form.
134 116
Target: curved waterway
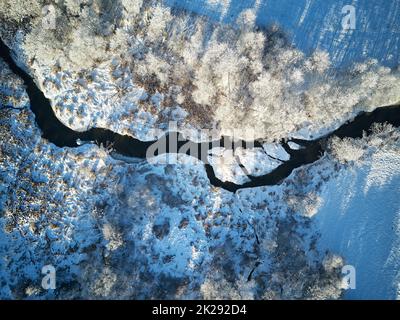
311 150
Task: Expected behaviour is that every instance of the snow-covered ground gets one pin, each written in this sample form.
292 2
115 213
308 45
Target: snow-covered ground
123 228
131 229
11 93
128 229
360 220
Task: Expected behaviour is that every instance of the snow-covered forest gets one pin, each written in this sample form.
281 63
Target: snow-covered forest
142 64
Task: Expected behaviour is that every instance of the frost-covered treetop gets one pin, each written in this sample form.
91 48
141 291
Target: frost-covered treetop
105 62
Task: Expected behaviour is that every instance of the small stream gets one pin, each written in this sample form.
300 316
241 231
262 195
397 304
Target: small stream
57 133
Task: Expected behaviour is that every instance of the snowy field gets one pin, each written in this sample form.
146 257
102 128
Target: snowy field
360 219
315 24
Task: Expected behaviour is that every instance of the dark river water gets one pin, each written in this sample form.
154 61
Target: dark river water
60 135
